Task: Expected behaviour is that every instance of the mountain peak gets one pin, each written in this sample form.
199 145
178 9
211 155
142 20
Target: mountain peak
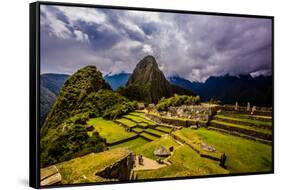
148 62
146 71
148 83
74 90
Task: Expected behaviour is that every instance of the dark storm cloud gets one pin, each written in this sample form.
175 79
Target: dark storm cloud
191 46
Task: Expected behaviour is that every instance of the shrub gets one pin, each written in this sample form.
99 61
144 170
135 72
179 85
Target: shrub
71 143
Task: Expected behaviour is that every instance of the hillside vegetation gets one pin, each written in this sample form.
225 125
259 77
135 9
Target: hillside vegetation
84 95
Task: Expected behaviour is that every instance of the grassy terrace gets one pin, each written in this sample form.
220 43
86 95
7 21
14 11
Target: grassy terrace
185 162
139 119
265 131
245 120
138 130
242 155
153 131
166 129
193 139
148 136
174 170
190 159
72 171
246 116
109 130
148 149
132 144
137 113
127 122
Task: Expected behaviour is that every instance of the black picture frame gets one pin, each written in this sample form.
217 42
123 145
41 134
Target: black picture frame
34 90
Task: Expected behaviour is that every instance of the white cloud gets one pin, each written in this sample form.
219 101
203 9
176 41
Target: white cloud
80 36
57 27
89 15
147 49
191 46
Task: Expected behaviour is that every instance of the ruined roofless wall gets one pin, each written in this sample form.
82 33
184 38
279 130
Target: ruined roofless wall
175 122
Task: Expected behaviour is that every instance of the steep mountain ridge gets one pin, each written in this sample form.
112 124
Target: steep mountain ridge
148 83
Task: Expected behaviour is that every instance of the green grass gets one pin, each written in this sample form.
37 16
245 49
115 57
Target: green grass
73 170
185 162
174 170
109 130
132 144
148 149
247 116
251 121
143 125
137 113
265 131
188 158
148 136
139 119
242 155
166 129
155 131
193 139
127 122
138 130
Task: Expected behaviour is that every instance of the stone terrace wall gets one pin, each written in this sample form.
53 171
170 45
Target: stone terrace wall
120 170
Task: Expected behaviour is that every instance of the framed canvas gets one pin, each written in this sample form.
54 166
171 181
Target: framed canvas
127 94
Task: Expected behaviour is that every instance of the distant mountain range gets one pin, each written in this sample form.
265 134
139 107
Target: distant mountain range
53 81
117 80
50 85
229 89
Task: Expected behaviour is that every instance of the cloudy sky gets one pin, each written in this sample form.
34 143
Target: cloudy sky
188 45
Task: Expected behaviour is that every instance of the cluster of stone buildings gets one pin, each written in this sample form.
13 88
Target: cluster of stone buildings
201 112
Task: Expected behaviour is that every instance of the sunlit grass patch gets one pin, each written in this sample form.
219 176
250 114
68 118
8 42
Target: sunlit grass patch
109 130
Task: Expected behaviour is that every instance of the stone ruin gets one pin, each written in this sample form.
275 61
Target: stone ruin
150 107
236 106
194 112
162 151
248 106
140 106
254 110
206 147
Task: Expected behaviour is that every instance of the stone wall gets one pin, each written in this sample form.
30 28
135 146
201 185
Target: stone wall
120 170
175 121
230 109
